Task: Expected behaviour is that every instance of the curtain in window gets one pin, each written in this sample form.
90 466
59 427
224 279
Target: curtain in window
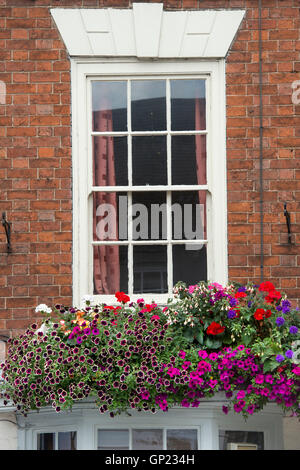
106 257
200 112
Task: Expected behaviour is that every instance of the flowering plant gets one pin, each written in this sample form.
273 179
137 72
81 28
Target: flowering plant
241 341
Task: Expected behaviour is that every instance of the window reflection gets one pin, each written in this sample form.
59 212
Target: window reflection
148 108
188 107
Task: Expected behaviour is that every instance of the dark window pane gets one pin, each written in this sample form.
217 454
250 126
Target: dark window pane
110 161
67 440
109 101
147 439
189 215
150 269
46 441
149 160
149 216
113 439
148 108
110 269
110 216
182 439
189 159
251 437
189 263
188 105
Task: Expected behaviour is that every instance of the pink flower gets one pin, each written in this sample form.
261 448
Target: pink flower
191 289
296 370
181 354
155 317
240 394
202 354
145 395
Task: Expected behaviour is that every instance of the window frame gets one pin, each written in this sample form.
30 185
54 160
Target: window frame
85 70
164 428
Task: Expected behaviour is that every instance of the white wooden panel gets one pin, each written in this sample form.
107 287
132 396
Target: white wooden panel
200 22
172 31
194 45
224 29
102 44
71 28
123 31
147 23
95 20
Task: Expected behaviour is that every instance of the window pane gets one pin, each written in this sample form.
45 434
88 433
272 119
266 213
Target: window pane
252 437
110 161
147 439
113 439
150 269
189 263
189 159
182 439
109 101
110 216
149 213
46 441
67 440
149 160
188 105
189 215
148 108
110 269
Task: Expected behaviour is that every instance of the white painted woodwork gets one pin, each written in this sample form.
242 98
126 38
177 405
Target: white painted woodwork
147 31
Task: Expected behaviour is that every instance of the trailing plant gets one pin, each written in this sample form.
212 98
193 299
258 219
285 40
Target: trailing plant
240 340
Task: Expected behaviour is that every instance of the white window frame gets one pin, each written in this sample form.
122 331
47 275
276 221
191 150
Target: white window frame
130 427
84 69
208 419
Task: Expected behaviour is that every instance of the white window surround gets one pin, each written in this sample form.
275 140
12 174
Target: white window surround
208 419
94 40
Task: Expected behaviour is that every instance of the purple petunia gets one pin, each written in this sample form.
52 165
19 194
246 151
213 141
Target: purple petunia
293 330
279 358
280 321
289 354
231 314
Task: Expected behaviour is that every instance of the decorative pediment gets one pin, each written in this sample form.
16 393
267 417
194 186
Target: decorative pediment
147 31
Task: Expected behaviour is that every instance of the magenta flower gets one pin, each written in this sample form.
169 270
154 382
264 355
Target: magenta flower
181 354
203 354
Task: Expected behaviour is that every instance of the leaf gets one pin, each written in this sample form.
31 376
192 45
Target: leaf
188 334
246 339
213 343
199 337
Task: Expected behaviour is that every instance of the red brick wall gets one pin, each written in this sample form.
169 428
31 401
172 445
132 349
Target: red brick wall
35 150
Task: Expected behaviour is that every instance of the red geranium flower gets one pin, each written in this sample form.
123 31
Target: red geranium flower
122 297
268 313
259 314
215 329
239 295
266 286
273 296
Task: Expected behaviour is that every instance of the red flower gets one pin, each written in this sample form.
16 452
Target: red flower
155 317
268 313
273 296
122 297
239 295
259 314
215 329
266 286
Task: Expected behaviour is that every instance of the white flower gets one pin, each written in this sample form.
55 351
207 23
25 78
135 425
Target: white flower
43 329
43 308
87 299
